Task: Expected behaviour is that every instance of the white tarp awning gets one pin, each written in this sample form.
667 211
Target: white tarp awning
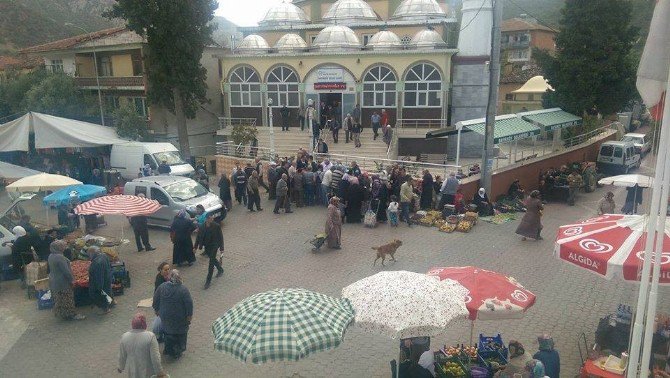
54 132
14 172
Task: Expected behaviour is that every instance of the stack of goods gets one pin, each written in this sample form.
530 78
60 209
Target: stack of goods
120 278
450 224
44 300
506 205
80 272
464 226
431 218
492 353
79 244
448 363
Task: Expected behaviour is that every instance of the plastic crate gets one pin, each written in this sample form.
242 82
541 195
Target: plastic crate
484 356
44 304
7 273
123 277
439 372
484 342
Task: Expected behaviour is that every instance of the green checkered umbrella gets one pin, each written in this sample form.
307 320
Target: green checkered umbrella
282 324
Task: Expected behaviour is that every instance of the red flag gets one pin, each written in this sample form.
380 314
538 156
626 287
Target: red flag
652 74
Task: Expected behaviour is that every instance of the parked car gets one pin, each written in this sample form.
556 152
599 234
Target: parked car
640 141
619 157
175 193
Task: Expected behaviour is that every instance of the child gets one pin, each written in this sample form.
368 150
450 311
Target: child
392 211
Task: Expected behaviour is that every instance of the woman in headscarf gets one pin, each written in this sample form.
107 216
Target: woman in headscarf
174 304
355 198
531 223
139 352
606 204
481 200
548 356
61 282
427 191
518 359
334 224
379 192
182 244
535 368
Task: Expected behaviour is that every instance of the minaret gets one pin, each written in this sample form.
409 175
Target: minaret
470 78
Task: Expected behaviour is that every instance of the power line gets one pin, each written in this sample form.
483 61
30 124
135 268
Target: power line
539 20
476 14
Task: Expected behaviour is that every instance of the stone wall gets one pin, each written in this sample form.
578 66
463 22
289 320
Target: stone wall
469 94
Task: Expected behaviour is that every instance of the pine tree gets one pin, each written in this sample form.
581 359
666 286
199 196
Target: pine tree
177 32
593 67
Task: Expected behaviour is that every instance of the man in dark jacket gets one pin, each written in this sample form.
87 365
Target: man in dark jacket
100 279
164 168
240 180
272 180
173 303
212 241
285 116
141 230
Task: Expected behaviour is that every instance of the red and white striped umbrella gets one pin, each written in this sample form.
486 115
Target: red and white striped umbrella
611 245
118 204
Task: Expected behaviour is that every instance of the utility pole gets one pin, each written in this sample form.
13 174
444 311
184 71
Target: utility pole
494 81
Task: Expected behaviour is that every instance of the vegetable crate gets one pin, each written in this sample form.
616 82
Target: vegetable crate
120 273
492 361
492 343
44 304
450 367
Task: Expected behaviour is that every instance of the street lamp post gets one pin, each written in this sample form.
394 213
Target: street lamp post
97 77
272 131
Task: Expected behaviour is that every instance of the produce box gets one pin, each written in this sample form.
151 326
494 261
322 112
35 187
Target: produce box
451 368
44 300
80 272
493 361
492 343
7 273
117 288
36 271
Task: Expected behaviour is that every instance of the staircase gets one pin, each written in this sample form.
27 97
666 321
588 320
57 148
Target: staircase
287 142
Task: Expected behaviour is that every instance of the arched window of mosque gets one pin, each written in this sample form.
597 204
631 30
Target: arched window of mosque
283 87
423 86
379 87
245 87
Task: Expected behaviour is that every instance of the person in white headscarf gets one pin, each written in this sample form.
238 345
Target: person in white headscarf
427 361
481 200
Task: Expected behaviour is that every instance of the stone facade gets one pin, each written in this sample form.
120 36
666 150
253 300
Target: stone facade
470 87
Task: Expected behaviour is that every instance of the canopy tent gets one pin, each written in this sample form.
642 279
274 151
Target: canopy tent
551 119
508 128
10 172
536 85
54 132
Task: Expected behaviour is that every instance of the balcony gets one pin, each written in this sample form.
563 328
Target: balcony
112 82
515 44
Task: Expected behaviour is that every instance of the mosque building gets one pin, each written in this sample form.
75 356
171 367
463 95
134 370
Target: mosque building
410 57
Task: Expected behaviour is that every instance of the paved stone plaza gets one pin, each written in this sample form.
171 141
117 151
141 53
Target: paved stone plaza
266 251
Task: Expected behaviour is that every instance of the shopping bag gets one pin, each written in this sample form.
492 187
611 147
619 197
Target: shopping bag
108 299
370 218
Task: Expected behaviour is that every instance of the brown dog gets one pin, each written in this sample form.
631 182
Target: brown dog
387 249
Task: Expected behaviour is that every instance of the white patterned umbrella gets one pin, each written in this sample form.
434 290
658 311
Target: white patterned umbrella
402 304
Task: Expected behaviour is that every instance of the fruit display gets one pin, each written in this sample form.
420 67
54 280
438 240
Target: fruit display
448 227
452 219
80 272
470 352
464 226
453 369
111 252
439 223
471 216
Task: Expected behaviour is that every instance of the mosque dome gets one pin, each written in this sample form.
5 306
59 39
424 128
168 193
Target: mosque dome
428 38
336 37
290 42
418 10
284 13
350 11
253 43
384 40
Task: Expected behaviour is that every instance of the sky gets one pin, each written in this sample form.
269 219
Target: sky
244 12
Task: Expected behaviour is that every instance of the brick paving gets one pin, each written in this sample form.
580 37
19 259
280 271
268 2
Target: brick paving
266 251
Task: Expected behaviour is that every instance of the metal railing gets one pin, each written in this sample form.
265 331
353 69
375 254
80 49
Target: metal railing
366 163
579 139
419 124
231 121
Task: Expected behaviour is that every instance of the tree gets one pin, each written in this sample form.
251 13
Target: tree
177 32
130 124
13 89
593 66
58 95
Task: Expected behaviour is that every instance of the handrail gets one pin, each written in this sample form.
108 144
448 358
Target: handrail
232 121
416 124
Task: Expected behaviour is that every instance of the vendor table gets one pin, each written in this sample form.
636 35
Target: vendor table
590 370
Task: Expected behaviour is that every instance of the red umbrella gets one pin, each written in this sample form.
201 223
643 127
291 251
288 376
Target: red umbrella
119 204
611 246
492 295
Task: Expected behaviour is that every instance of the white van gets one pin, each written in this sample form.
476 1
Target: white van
175 193
617 157
129 158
